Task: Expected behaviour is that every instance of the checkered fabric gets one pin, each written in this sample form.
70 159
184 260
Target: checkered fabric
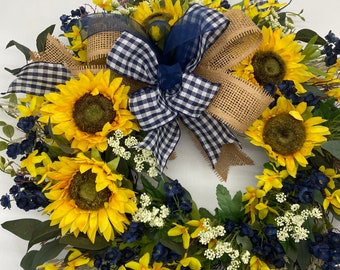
39 78
259 3
211 133
158 109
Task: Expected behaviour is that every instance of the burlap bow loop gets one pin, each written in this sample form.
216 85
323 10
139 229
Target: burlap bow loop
173 90
238 103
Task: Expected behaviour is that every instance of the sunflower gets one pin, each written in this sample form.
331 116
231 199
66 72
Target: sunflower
288 133
157 17
87 197
87 109
278 58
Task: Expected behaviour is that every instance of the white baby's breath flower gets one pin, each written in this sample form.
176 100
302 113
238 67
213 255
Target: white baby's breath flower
245 257
139 167
119 134
145 200
220 231
157 222
295 207
164 211
131 141
209 254
281 197
152 172
316 213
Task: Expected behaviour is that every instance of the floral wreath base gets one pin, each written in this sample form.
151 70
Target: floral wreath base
99 120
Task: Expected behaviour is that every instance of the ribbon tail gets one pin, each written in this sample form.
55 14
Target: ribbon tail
38 78
162 142
211 134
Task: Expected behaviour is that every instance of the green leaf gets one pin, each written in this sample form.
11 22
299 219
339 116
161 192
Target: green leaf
205 213
303 256
84 242
231 208
62 142
113 164
48 251
3 145
245 242
27 261
333 147
306 35
43 232
41 39
13 71
22 228
150 189
26 51
8 130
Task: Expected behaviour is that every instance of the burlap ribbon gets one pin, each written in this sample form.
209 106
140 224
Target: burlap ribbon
238 102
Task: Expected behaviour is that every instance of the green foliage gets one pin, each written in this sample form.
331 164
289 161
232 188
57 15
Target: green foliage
306 35
20 47
41 39
333 147
48 251
22 228
43 232
229 207
83 242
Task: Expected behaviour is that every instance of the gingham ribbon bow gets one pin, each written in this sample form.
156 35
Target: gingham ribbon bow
39 78
174 91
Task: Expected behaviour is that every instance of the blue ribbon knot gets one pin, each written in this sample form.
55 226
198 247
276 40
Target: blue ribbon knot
173 91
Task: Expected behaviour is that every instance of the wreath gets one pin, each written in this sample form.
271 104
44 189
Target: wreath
99 111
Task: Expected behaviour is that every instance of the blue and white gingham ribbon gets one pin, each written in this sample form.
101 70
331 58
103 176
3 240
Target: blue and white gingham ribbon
158 107
39 78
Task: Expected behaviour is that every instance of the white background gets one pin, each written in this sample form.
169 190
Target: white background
23 20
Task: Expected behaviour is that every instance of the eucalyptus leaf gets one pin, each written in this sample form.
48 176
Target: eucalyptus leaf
22 228
306 35
84 242
60 141
333 147
8 130
26 51
13 71
48 251
43 232
27 261
41 39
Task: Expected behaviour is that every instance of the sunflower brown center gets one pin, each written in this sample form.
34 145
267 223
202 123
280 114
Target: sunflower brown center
284 134
83 191
91 113
268 67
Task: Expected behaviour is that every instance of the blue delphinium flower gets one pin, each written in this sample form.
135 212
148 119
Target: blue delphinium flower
164 254
230 226
112 256
175 197
331 50
67 21
13 150
5 201
326 247
26 123
173 188
28 196
135 232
